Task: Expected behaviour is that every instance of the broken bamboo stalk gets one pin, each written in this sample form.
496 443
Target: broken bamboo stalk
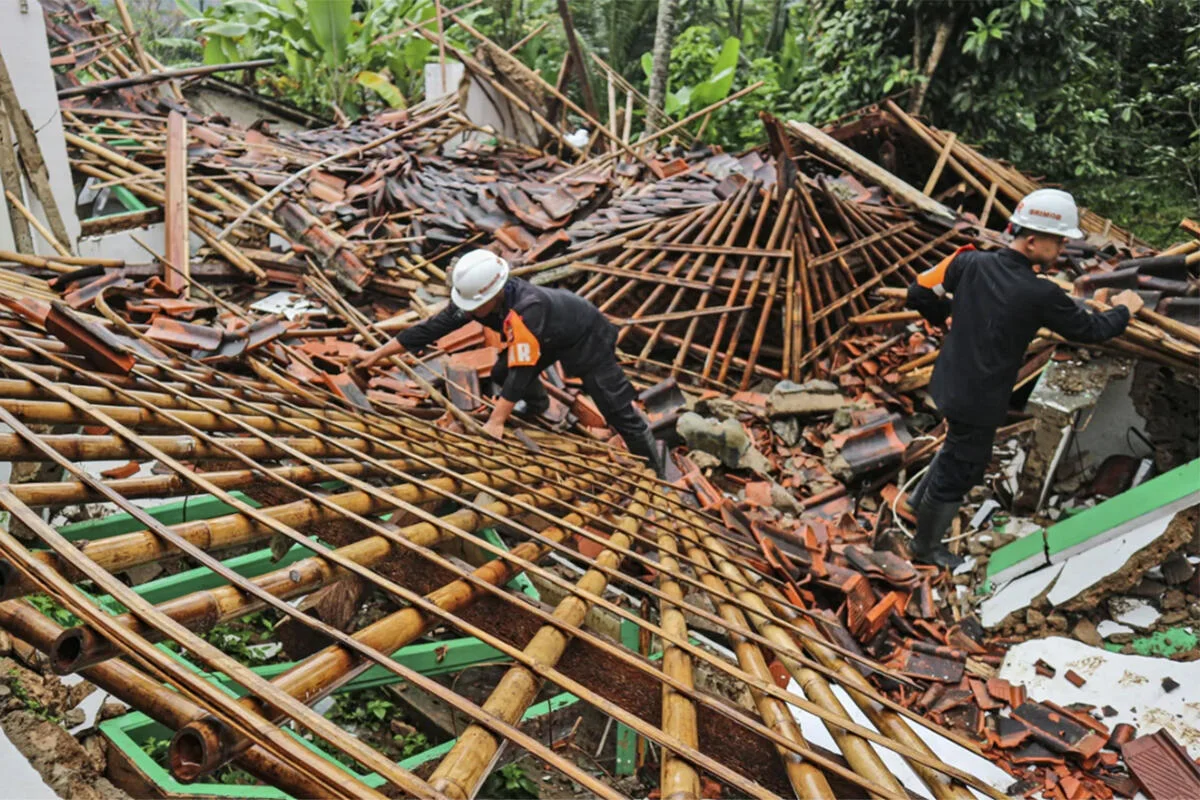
99 87
30 156
57 264
462 769
10 175
80 646
162 704
36 223
323 672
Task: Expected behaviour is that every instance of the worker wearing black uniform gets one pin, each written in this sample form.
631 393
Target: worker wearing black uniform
998 305
540 326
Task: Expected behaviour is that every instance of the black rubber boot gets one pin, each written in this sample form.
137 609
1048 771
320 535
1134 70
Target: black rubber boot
913 501
644 444
933 520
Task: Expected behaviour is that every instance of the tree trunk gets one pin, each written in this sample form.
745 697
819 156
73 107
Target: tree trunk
940 38
585 84
664 39
779 20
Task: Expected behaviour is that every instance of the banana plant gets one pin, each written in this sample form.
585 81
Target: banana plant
329 54
716 87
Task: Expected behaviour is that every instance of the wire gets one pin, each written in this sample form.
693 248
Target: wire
903 491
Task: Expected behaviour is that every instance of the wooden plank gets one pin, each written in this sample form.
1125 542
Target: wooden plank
10 176
177 270
843 155
649 277
861 243
675 316
940 165
31 156
711 249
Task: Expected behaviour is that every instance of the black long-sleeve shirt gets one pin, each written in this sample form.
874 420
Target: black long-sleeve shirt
998 306
540 326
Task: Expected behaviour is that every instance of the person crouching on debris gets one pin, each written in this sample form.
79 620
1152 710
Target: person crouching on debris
540 326
998 305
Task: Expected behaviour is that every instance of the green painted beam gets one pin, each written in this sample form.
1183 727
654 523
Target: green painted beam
626 736
521 582
1166 494
129 731
169 587
1018 557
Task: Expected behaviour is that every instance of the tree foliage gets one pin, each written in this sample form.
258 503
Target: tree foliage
1101 95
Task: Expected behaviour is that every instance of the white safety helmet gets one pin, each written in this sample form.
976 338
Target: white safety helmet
478 277
1049 211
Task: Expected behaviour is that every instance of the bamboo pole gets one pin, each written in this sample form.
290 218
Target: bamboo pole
10 176
132 686
323 672
80 647
36 223
31 156
860 690
462 769
111 448
763 686
54 494
62 261
806 779
118 553
678 779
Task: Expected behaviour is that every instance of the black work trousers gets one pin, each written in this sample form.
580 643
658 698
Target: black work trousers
961 462
610 390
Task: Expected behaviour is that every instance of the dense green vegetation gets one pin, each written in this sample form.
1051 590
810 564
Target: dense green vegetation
1100 95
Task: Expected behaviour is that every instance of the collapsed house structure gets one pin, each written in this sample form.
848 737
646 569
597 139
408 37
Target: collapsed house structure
749 631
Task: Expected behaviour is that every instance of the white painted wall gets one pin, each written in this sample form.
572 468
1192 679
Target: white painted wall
27 56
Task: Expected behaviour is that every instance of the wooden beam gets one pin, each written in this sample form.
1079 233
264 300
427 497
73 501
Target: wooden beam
10 176
31 156
940 165
843 155
176 214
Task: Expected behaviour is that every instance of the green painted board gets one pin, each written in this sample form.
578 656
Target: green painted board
1018 557
172 513
521 582
1169 493
626 736
129 731
1163 644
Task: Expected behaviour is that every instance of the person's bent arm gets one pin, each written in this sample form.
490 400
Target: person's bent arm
387 350
927 294
1070 319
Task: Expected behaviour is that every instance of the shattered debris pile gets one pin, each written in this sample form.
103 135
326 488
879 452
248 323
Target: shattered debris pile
753 625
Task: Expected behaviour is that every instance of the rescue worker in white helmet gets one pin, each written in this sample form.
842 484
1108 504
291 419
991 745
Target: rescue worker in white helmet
540 326
998 304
